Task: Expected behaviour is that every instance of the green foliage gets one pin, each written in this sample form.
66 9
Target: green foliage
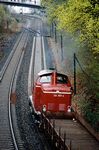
5 18
2 14
79 16
88 89
93 118
90 64
90 113
93 70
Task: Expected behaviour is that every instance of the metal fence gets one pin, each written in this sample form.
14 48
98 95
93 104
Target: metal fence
53 136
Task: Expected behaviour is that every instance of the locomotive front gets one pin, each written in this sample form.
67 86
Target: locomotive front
52 93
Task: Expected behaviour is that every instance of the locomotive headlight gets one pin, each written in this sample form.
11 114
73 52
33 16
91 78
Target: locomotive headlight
69 109
44 108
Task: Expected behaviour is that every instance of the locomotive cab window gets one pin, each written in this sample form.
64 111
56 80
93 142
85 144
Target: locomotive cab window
61 79
45 79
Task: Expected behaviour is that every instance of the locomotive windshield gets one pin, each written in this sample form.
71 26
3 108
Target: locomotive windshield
45 79
61 79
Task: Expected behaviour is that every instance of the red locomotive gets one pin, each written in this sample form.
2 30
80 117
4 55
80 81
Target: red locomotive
51 93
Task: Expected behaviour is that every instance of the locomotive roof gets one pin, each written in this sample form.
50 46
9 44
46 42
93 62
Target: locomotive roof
47 71
44 72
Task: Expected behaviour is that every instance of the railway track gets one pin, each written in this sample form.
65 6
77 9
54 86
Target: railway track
35 66
38 61
8 128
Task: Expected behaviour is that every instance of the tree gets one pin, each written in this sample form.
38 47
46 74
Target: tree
2 14
5 17
79 17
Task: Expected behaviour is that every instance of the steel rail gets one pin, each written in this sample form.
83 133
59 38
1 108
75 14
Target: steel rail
32 63
44 57
42 62
32 60
13 81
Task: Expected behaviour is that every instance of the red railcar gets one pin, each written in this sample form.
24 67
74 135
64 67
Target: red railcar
52 93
